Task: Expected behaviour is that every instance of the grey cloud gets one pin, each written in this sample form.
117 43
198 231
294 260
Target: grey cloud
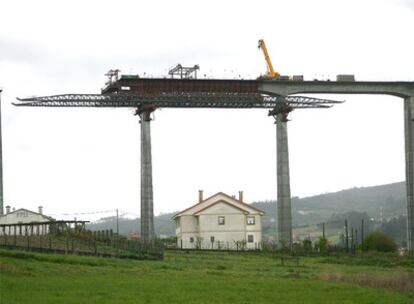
409 4
17 51
57 67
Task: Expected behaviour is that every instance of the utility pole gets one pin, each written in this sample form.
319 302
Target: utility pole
346 236
362 231
352 239
323 230
117 222
356 237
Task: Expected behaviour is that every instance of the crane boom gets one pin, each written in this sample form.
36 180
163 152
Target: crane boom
271 73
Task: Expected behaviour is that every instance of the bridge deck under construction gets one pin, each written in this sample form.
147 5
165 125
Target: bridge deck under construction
134 84
153 93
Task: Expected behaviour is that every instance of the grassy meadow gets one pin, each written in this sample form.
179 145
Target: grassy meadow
204 277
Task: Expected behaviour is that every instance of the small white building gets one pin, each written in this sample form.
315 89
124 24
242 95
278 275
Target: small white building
219 222
13 222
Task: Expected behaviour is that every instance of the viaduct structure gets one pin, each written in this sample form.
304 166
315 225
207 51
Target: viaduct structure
1 167
403 90
146 95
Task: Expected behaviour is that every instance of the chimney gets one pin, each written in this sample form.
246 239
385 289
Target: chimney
40 209
241 196
14 209
7 209
200 196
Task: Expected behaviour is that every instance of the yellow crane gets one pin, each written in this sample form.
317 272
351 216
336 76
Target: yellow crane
271 73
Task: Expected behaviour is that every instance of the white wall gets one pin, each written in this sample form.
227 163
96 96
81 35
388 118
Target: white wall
205 225
23 216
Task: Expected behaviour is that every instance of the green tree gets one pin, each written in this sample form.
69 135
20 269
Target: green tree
322 245
307 246
396 228
379 241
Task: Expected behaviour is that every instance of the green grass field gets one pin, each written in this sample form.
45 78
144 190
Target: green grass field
203 277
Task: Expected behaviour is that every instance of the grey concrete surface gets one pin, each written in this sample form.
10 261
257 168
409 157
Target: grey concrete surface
284 209
288 87
147 200
1 166
409 167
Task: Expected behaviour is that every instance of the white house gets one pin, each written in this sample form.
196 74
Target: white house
13 222
219 222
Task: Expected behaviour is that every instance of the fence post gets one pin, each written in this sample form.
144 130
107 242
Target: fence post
28 239
356 238
323 230
362 232
346 236
352 240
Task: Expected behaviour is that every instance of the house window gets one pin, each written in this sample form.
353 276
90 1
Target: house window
191 240
221 220
250 220
212 239
250 238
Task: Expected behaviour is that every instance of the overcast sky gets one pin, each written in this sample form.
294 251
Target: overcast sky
78 160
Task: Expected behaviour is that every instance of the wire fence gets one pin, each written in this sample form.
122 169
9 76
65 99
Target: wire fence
241 245
102 243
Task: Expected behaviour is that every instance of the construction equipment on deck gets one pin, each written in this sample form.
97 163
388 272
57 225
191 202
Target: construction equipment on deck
184 72
271 73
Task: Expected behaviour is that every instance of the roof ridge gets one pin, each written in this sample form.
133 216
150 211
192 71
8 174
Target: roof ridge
218 193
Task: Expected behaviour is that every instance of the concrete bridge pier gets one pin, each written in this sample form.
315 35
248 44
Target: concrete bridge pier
1 166
147 200
409 167
284 208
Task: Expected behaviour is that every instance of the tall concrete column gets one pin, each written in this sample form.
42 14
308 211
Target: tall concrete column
1 166
284 208
409 167
147 201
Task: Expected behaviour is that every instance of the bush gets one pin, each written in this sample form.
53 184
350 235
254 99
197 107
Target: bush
307 246
379 241
322 245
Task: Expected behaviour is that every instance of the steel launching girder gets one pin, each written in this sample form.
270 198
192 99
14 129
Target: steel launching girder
176 100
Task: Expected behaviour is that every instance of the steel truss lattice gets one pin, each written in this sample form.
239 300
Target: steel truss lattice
178 100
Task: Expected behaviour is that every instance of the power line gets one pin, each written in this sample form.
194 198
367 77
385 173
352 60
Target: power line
85 213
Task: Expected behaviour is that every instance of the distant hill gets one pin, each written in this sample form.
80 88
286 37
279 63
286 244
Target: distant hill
316 209
309 210
162 223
